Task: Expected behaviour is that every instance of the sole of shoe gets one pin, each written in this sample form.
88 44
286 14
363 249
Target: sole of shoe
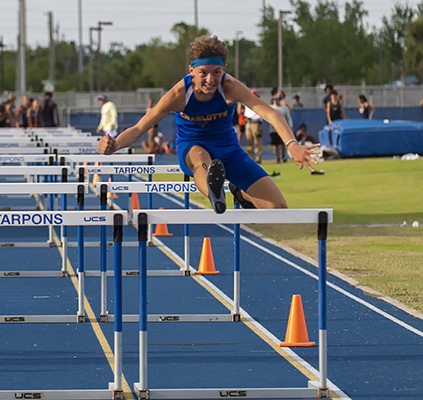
215 181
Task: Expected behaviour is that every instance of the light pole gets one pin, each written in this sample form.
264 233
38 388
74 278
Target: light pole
237 34
2 46
280 46
99 29
91 66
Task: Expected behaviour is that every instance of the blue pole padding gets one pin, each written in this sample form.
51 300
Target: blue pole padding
322 233
322 285
142 252
103 246
118 286
117 239
80 207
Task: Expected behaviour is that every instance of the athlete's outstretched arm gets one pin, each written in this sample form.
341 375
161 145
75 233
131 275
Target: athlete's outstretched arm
173 100
237 91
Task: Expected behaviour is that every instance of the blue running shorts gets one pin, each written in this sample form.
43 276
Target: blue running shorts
240 169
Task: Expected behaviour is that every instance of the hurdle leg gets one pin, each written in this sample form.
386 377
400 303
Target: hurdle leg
150 206
103 259
186 234
237 279
81 267
117 239
141 387
322 236
64 231
51 208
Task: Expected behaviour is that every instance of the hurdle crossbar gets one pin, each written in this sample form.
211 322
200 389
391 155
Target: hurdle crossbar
26 158
115 158
276 216
130 169
152 187
34 170
41 188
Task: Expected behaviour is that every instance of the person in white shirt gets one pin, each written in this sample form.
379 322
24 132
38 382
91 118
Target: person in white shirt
278 144
109 117
254 132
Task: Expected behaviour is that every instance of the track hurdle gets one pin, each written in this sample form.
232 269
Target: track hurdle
75 218
321 217
27 158
63 188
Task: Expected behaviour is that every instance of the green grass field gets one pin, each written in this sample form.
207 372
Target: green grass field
371 198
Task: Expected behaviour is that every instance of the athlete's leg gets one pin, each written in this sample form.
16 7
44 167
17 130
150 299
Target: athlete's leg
209 176
265 194
198 161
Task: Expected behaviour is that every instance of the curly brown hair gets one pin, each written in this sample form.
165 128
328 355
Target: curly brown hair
206 46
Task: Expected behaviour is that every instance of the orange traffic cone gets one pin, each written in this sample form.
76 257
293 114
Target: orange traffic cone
135 204
109 194
161 229
296 332
96 179
206 266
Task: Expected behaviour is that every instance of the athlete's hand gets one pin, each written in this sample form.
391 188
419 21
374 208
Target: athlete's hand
107 145
303 155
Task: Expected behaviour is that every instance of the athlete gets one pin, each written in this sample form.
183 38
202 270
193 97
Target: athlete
207 144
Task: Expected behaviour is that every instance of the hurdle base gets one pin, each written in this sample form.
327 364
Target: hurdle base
64 274
89 394
81 318
50 243
251 393
322 392
236 317
117 394
104 317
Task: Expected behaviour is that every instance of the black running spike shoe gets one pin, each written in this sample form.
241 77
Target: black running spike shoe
236 192
215 180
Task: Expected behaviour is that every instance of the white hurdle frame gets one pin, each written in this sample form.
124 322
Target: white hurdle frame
63 188
321 217
77 218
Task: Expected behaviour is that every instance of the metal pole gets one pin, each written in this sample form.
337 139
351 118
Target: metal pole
237 53
280 48
99 28
52 74
80 61
2 64
91 66
22 45
196 14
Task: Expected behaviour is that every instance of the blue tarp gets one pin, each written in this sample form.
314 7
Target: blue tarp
367 138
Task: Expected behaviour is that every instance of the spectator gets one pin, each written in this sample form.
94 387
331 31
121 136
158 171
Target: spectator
364 108
48 115
276 141
297 102
334 108
241 122
22 113
254 132
109 117
303 137
159 146
33 114
282 101
11 109
4 117
326 99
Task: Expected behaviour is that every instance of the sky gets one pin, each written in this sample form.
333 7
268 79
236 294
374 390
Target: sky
138 21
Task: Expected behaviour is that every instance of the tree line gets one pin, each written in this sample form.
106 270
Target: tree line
319 46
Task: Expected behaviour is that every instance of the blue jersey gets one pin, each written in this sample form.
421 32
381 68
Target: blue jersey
205 121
